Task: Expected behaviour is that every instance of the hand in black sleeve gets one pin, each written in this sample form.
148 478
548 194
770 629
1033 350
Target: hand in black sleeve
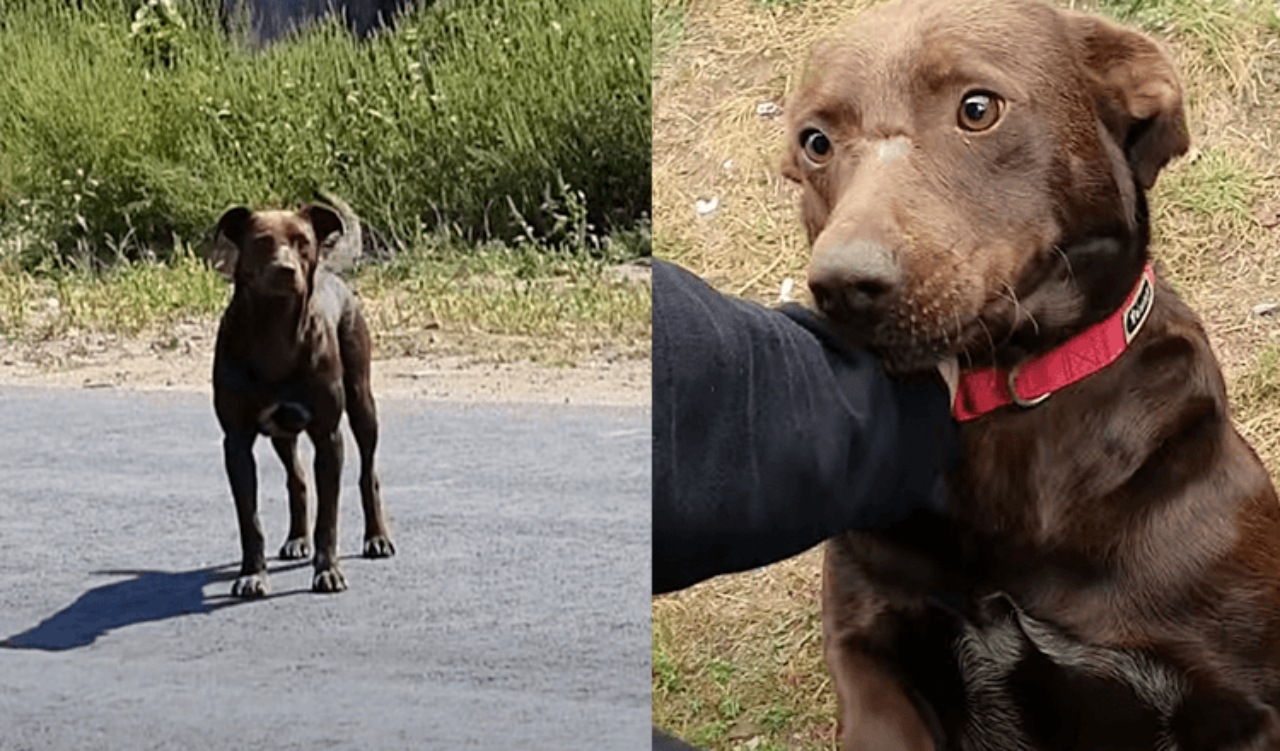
770 436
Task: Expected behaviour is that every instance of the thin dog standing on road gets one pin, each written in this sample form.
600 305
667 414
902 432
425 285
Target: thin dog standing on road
293 352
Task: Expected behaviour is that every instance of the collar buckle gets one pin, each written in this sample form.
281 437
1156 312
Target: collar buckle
1012 383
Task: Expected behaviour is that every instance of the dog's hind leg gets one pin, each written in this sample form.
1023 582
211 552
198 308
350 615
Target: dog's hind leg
298 544
362 414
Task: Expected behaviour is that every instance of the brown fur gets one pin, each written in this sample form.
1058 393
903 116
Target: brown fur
1115 582
293 353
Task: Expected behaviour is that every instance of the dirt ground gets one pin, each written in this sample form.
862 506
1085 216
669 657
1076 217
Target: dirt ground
180 359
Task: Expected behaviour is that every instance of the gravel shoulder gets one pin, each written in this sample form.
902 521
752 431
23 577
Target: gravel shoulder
180 359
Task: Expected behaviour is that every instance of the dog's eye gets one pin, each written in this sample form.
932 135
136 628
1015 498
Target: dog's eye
979 111
817 147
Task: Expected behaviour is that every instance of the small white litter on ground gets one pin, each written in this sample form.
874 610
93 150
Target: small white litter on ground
768 109
788 286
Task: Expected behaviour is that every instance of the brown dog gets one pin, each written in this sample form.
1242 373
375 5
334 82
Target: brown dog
974 177
293 351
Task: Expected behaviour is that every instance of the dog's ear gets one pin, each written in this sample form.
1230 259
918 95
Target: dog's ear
227 239
1138 94
325 222
234 223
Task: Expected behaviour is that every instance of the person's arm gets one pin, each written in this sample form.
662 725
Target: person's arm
769 436
664 742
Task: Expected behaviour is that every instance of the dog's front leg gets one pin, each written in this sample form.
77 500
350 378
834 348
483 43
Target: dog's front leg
867 630
328 469
242 471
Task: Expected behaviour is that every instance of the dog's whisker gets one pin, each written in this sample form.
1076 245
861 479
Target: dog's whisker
1071 272
991 341
1018 310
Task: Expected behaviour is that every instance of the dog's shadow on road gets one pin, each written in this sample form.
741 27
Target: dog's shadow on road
143 597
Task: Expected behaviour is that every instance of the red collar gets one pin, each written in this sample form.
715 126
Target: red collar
1028 384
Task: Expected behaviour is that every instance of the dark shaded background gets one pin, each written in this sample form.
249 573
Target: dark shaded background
271 19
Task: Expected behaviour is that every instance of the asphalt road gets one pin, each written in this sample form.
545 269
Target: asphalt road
515 614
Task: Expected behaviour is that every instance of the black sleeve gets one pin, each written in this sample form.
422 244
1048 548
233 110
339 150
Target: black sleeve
770 436
664 742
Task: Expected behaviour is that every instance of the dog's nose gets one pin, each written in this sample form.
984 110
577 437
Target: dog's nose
284 270
851 280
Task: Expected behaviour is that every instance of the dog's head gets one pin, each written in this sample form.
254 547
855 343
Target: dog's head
275 253
973 172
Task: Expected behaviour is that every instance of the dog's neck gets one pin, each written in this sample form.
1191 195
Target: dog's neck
1077 283
1083 355
280 338
1081 306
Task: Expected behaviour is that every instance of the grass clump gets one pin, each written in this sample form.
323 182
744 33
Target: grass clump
668 26
1255 401
562 304
126 298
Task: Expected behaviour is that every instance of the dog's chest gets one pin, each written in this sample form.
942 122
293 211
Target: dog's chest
285 417
1030 686
280 409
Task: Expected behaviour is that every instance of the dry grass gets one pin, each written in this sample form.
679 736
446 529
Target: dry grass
737 661
492 303
501 304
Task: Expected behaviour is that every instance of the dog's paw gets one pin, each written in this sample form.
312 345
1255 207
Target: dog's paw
379 547
250 585
329 580
294 549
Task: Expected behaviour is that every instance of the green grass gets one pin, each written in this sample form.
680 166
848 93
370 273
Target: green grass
1255 400
559 305
486 119
127 298
735 662
1199 205
549 307
1212 28
1260 387
668 27
1218 186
